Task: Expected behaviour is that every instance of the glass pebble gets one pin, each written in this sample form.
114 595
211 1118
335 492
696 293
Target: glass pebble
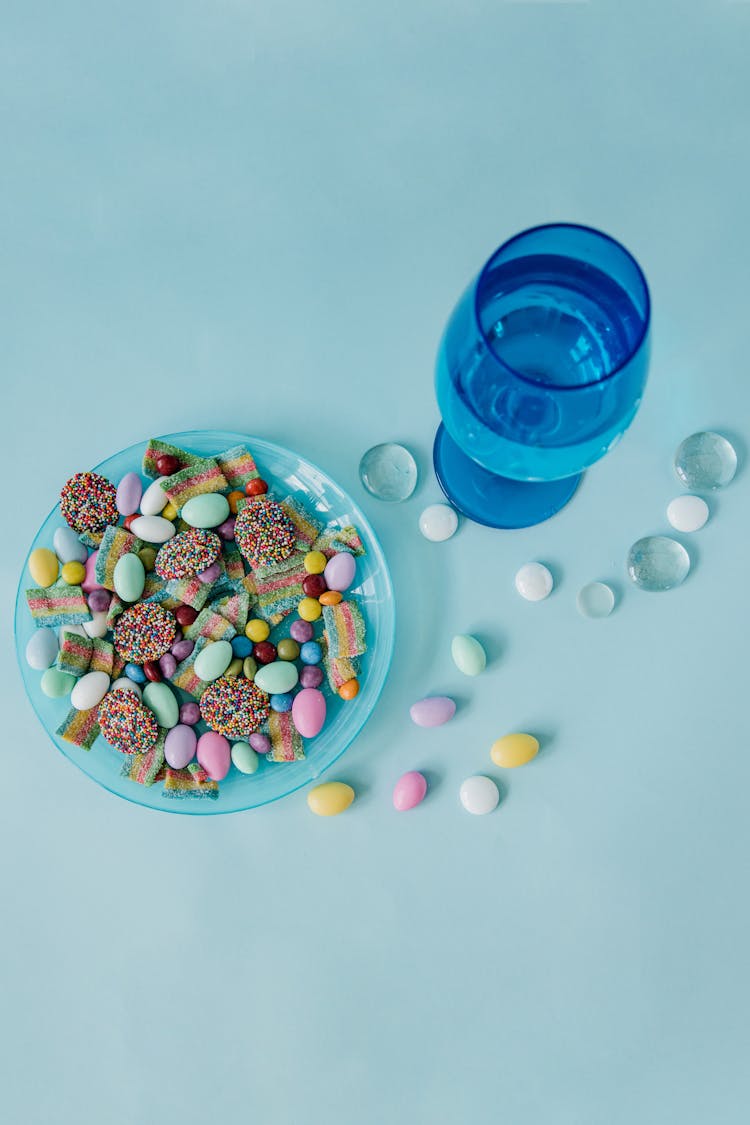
596 599
705 461
534 582
658 563
388 472
687 513
438 522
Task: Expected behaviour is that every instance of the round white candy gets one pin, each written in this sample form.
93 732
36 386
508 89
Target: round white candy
438 522
97 627
479 795
154 499
687 513
534 582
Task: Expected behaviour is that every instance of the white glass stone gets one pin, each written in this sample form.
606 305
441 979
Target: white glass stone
438 522
388 472
479 795
534 582
658 563
596 599
705 461
687 513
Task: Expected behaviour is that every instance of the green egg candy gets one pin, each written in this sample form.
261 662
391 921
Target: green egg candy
208 510
56 684
162 702
244 757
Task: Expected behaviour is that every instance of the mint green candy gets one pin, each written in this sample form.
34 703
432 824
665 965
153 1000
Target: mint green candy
56 684
468 655
208 510
162 702
244 757
213 660
129 578
277 678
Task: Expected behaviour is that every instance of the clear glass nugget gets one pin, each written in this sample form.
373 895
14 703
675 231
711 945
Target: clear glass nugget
596 599
389 472
705 461
658 563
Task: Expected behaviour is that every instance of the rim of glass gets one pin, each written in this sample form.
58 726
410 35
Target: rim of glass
178 808
588 230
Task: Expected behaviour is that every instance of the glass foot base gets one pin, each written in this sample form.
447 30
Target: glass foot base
493 500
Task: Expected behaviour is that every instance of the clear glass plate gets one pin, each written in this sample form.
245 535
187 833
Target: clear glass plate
286 473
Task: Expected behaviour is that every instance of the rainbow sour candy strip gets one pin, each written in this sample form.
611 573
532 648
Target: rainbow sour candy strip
238 466
202 476
184 676
145 768
307 528
102 656
58 605
156 449
116 543
75 654
340 539
190 782
286 744
211 625
344 629
80 728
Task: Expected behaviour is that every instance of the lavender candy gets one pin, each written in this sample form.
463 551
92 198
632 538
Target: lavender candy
182 649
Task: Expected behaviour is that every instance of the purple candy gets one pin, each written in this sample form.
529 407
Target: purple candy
311 676
226 529
182 649
168 665
177 636
190 713
301 631
210 574
260 743
99 601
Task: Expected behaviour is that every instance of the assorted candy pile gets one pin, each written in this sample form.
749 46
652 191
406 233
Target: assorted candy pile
196 624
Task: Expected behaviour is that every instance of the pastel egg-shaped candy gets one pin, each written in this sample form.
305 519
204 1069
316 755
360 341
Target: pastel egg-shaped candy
129 577
153 529
214 755
208 510
432 711
97 626
89 690
468 655
309 711
244 758
55 684
42 649
126 684
330 798
128 496
514 750
276 678
479 795
90 582
43 566
409 791
179 746
68 547
154 499
162 702
340 570
213 660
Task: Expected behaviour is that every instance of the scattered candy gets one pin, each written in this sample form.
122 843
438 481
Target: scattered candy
311 676
438 522
144 632
97 626
42 649
190 713
409 791
433 711
596 599
152 529
309 609
340 571
180 745
315 562
162 702
235 708
89 690
152 671
213 660
260 743
276 678
513 750
264 533
286 744
256 488
187 554
264 652
208 510
129 578
331 597
479 795
534 582
388 472
658 563
154 499
126 724
128 495
244 758
73 574
43 566
309 712
468 654
281 702
288 649
214 755
330 798
88 502
310 653
68 547
705 461
686 513
56 684
349 689
257 630
313 585
301 631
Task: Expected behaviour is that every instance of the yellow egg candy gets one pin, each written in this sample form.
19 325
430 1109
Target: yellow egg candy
73 573
309 609
257 630
330 799
514 750
43 566
315 562
169 512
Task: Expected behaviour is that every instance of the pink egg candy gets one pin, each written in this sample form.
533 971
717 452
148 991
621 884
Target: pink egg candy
214 755
340 570
433 711
409 791
309 712
90 583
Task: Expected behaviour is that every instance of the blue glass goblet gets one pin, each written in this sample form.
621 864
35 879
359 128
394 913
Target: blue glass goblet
540 371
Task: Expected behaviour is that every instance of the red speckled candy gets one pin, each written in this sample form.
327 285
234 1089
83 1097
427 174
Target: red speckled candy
188 553
88 502
264 533
144 632
233 707
126 723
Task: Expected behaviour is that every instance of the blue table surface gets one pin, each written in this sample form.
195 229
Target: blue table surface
258 216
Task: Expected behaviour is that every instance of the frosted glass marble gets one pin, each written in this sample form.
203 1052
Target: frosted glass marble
596 599
388 472
534 582
658 563
438 522
687 513
705 461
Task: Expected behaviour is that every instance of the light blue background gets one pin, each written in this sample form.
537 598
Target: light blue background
258 216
